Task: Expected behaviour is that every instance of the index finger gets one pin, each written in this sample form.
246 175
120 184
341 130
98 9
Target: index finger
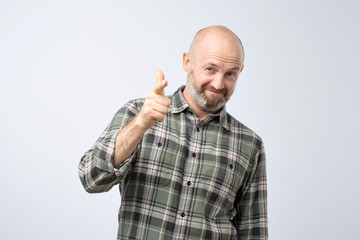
159 76
160 85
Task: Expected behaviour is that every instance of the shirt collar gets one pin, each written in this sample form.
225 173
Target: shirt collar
179 104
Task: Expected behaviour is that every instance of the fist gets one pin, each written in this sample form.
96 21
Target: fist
156 105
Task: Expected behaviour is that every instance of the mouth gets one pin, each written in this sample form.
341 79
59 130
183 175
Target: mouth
215 94
213 91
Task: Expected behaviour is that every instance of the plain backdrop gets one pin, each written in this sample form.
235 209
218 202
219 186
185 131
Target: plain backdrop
66 67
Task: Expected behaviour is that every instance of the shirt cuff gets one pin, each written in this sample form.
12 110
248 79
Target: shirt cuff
122 170
104 152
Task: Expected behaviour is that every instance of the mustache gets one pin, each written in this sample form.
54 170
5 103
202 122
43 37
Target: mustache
212 89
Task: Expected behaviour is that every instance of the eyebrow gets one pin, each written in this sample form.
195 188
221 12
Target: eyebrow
210 64
237 69
215 65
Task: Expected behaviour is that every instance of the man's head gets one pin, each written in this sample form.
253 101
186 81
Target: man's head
213 64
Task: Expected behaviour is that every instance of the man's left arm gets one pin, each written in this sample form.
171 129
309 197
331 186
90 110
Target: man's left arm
251 219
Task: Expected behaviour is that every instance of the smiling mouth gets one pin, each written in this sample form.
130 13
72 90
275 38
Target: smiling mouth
216 92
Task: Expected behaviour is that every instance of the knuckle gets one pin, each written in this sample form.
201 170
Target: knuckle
161 118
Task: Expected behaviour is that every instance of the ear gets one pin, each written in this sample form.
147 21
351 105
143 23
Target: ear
186 62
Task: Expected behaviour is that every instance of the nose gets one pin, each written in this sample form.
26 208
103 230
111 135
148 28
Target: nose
218 82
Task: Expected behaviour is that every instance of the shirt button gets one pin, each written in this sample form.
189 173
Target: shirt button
194 154
159 144
231 166
198 129
182 215
189 183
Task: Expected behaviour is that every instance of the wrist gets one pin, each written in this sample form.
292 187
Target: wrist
142 124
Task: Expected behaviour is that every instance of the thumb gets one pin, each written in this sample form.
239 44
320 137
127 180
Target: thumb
160 85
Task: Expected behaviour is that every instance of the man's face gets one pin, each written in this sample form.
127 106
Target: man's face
212 75
206 97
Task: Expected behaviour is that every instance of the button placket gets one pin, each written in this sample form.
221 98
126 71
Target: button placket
191 170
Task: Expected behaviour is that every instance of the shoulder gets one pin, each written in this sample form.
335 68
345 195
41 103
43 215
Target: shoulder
133 105
243 132
128 111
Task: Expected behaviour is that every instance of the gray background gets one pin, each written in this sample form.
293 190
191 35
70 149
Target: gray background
67 66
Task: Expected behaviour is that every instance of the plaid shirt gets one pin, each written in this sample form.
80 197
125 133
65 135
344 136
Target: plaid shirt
187 179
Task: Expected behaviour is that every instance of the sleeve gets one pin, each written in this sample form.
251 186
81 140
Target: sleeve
251 219
96 170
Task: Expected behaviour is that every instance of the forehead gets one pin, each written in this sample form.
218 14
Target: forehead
219 48
218 57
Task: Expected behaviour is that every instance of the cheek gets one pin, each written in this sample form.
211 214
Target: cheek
230 86
203 80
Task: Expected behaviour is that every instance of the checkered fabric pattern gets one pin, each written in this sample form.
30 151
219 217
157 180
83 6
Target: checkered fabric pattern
187 179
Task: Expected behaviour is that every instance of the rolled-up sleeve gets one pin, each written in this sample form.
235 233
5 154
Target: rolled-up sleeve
96 170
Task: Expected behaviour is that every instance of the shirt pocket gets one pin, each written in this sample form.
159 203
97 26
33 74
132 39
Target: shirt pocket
155 161
168 157
224 177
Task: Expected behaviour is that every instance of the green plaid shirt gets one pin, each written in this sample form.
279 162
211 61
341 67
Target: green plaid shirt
187 179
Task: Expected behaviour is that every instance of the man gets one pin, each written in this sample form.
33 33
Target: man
186 168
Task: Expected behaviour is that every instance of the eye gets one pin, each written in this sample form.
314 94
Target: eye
209 70
231 74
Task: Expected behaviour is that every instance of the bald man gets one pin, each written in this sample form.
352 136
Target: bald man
186 168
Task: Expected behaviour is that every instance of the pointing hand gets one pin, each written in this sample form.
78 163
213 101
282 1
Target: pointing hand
156 105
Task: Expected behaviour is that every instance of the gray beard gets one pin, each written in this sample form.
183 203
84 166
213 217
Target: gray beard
200 98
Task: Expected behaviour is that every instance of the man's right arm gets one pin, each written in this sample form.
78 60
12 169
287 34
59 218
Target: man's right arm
154 109
100 167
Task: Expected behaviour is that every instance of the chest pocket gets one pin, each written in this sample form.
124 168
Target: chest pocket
227 174
156 160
